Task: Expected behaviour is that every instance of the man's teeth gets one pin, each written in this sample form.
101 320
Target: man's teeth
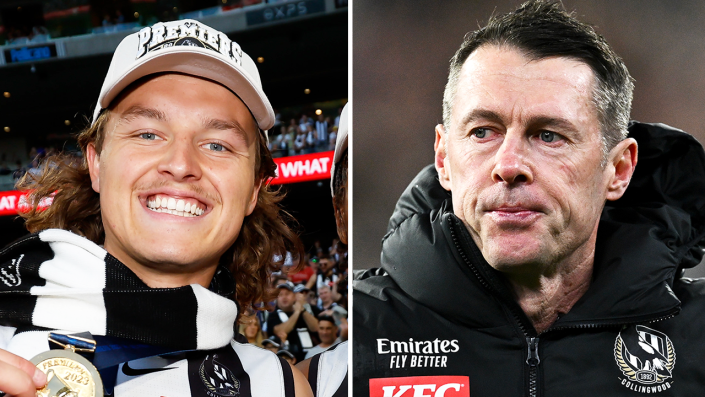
174 207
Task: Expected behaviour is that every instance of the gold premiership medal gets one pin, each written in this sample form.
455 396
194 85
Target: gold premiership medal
68 375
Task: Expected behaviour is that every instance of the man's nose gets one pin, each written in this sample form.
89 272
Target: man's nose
512 163
180 160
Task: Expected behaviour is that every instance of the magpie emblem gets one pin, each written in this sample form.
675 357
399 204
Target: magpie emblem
646 357
217 378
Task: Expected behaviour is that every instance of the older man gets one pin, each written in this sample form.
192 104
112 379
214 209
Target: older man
504 273
157 238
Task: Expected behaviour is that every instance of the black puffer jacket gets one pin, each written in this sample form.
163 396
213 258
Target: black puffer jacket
438 314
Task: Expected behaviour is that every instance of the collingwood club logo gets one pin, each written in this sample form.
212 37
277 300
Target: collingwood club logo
219 380
646 357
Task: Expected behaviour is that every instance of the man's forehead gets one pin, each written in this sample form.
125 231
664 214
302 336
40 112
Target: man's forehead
140 100
501 82
492 68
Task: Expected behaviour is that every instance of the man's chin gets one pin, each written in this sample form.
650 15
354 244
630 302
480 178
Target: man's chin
513 258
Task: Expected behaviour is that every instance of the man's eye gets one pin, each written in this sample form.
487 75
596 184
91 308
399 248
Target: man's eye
216 147
148 135
549 136
480 132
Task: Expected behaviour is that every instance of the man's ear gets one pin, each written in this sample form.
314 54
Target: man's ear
253 200
440 148
623 159
93 166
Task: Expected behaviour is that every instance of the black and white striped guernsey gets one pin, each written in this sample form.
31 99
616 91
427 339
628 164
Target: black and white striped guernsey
328 372
56 280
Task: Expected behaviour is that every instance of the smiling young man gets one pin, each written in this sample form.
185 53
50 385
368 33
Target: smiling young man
519 263
160 235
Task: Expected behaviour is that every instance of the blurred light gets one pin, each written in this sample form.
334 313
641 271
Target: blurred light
67 122
6 94
319 112
19 8
225 1
260 59
307 91
175 9
137 14
7 129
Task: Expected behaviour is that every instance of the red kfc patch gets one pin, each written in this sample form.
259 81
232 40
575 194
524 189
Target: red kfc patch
421 386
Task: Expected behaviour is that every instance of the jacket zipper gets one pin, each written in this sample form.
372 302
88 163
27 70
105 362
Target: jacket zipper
533 360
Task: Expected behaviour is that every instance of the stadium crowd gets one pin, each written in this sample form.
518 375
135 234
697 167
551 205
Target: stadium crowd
303 134
310 313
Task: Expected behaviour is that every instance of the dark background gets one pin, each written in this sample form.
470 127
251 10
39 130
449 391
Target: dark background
400 64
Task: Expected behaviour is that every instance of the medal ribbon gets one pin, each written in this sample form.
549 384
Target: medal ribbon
107 352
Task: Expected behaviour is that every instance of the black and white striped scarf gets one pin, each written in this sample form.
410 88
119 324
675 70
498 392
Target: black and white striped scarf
58 280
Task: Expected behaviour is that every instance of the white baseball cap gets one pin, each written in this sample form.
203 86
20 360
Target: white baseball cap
192 48
341 142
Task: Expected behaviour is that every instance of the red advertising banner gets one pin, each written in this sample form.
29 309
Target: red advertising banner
13 201
305 167
421 386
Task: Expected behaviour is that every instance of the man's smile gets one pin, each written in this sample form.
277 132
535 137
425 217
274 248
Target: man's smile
186 207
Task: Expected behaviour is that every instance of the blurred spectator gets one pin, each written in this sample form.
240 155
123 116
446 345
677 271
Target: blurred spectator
312 298
316 249
291 322
302 295
36 167
328 306
250 328
271 343
280 146
328 333
300 142
290 137
19 171
310 139
304 123
327 274
277 278
107 20
322 133
338 250
287 356
332 137
305 274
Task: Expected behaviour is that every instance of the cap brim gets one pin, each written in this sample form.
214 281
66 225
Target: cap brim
196 62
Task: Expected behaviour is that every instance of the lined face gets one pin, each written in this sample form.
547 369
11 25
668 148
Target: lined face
176 173
523 157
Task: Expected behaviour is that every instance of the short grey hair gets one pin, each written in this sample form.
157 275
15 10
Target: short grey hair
542 29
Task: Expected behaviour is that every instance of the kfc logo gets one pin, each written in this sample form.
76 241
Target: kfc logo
421 386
